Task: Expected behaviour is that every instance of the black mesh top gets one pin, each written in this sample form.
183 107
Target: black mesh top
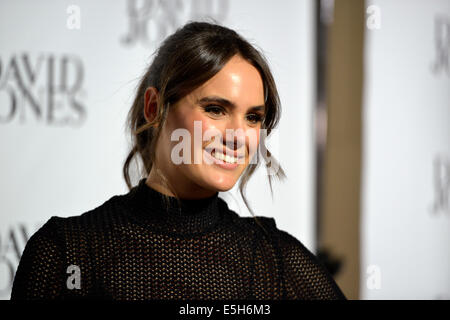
137 246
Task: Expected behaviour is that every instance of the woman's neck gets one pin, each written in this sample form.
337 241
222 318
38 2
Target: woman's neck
158 181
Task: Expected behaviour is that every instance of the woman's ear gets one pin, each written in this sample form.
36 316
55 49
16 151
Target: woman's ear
151 99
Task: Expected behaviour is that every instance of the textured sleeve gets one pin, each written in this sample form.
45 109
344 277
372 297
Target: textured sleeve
40 273
304 275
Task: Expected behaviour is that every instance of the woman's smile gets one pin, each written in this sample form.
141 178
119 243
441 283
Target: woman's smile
221 160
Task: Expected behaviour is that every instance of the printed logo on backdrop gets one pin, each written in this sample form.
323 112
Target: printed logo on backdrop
441 63
45 88
12 243
151 21
441 185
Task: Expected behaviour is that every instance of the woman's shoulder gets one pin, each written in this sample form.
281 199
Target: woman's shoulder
105 213
255 222
59 233
300 263
289 245
244 221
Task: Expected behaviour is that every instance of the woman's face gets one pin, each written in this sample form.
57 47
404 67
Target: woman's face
231 102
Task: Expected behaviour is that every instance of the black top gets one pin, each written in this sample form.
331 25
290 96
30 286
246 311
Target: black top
137 246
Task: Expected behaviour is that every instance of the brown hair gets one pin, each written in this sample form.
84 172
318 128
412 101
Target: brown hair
185 60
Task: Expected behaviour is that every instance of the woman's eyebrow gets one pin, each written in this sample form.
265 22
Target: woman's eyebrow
227 103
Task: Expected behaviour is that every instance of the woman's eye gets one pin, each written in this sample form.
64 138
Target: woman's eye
214 110
254 118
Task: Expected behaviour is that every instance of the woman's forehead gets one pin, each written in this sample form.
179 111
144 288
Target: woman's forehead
238 82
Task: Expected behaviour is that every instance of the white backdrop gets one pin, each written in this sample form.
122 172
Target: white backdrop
65 92
406 161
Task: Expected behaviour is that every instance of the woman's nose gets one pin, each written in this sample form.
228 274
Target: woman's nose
234 137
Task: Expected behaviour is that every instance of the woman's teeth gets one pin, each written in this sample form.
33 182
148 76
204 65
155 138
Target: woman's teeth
223 157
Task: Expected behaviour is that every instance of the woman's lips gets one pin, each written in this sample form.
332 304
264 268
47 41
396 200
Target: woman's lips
220 163
236 154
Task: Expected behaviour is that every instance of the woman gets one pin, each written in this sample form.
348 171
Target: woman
197 119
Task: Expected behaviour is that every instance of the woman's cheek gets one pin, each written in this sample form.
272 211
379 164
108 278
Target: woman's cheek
210 131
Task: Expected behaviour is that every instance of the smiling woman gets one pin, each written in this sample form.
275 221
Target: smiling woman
171 236
225 102
216 77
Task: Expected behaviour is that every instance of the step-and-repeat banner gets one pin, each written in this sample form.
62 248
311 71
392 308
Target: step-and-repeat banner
406 160
68 73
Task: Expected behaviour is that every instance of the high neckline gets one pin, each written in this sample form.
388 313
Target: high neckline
188 216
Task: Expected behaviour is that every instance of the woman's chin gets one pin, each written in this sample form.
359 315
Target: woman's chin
221 183
220 186
215 178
